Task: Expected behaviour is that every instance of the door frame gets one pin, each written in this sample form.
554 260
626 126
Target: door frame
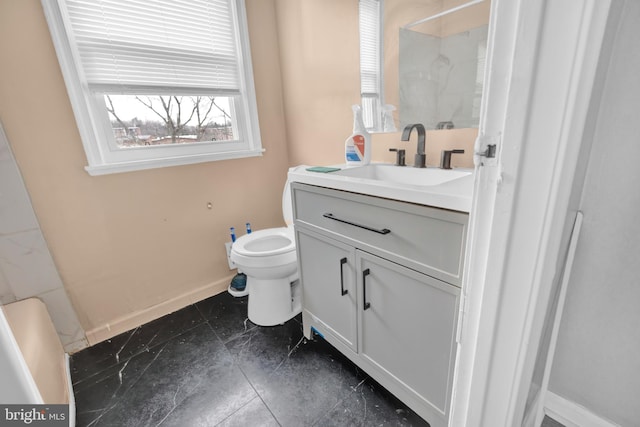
541 74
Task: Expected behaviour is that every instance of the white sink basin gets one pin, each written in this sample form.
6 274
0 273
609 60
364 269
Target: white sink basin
448 189
404 175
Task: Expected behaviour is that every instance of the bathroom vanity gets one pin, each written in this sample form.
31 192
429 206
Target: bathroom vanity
381 277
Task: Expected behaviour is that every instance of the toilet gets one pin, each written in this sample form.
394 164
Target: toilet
268 258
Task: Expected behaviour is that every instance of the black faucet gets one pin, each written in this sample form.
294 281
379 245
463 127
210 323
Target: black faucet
445 158
400 156
420 159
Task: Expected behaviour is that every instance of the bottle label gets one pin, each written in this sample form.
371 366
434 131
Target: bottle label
358 141
351 154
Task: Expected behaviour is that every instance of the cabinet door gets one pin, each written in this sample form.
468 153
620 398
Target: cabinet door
327 276
407 327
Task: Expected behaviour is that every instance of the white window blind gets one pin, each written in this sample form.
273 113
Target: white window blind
370 61
155 46
157 83
369 46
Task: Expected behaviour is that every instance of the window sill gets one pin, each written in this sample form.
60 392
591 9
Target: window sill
130 166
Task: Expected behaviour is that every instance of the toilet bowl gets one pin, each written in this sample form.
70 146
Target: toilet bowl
268 259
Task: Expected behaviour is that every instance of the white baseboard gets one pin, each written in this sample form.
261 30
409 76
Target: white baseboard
571 414
133 320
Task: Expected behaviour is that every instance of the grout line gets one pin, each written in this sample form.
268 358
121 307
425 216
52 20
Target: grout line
258 395
244 374
339 402
238 410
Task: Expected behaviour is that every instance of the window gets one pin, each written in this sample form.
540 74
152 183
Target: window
157 82
371 63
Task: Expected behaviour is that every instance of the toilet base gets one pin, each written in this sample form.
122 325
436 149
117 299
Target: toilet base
273 301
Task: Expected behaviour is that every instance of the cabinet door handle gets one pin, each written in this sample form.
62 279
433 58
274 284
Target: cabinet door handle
375 230
344 291
365 273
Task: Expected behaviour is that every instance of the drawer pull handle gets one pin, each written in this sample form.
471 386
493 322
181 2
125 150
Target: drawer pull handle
365 273
375 230
344 291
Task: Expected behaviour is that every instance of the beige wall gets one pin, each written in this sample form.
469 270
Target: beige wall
133 246
320 69
319 49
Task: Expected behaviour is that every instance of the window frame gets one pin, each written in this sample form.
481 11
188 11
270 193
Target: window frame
94 124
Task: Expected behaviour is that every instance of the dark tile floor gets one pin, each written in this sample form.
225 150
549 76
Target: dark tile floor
207 365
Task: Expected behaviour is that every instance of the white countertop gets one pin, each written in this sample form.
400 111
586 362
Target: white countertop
454 195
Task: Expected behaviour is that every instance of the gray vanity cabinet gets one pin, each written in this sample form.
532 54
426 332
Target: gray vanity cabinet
372 275
330 285
407 325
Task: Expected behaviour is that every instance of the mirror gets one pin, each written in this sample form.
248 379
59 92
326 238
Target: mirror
431 61
440 78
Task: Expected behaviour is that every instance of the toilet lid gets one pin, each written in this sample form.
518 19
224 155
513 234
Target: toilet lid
272 241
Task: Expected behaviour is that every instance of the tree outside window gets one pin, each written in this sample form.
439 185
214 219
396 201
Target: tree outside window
140 120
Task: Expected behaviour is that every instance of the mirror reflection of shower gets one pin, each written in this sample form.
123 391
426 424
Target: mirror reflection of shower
441 70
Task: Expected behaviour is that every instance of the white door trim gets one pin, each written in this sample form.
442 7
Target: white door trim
541 72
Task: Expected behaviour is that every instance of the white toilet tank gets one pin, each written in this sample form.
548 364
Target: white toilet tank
287 204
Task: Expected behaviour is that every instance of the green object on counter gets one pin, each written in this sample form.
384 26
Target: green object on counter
322 169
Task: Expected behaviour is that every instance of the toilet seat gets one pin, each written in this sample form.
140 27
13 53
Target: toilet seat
268 259
264 243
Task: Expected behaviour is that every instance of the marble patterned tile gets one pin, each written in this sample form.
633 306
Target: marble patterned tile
27 264
222 392
371 405
16 212
64 319
6 293
254 413
227 315
94 362
192 380
98 394
261 351
298 380
98 358
160 330
183 371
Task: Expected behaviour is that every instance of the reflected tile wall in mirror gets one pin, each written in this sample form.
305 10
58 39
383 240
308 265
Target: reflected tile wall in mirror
441 78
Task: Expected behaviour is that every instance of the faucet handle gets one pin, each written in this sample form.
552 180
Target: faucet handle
400 156
445 158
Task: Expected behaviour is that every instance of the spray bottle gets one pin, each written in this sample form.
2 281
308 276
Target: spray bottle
357 148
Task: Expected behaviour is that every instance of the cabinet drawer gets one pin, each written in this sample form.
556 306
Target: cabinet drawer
427 239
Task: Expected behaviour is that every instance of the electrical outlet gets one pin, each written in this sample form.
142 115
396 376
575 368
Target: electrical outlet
232 265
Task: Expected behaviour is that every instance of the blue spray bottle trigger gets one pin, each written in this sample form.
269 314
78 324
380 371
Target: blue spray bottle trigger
248 228
233 234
